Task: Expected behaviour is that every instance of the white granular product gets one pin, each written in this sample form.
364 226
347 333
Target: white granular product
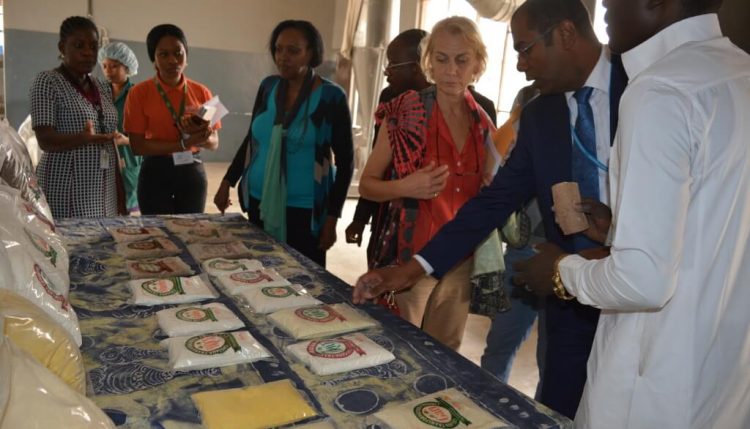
127 233
233 250
340 354
179 225
155 247
206 235
237 282
320 321
170 290
445 409
267 299
213 350
158 267
221 266
198 319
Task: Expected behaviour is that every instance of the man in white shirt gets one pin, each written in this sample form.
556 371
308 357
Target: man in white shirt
564 135
672 349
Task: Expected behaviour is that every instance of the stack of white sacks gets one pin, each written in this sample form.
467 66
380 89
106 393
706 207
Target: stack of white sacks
40 362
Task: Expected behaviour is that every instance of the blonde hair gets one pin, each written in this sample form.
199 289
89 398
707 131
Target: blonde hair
455 25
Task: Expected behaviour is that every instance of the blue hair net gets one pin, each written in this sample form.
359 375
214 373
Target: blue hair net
120 52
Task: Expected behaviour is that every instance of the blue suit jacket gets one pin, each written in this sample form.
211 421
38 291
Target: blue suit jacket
541 158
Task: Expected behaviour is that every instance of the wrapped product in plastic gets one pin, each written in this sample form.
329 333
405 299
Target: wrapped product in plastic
198 319
267 299
232 250
171 266
155 247
36 333
16 168
24 276
171 290
206 235
446 409
325 320
32 397
221 266
128 233
340 354
213 350
179 225
236 282
272 404
19 227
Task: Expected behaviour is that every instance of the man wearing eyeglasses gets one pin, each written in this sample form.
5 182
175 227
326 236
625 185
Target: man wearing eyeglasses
564 135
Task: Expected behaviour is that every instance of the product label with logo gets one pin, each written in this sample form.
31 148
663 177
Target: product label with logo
320 314
212 344
164 287
439 414
335 348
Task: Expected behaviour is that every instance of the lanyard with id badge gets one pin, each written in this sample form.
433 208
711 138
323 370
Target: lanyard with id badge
94 98
184 157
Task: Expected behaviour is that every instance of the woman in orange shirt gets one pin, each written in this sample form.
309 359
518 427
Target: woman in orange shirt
162 126
428 161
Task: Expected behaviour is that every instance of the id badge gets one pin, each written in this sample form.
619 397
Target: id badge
103 159
183 158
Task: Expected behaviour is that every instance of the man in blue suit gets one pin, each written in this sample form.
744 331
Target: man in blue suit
564 135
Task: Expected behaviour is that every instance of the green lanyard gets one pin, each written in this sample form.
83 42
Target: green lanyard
175 116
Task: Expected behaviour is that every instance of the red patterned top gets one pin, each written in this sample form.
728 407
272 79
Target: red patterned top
417 134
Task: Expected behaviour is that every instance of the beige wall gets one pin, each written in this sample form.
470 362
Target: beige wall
235 25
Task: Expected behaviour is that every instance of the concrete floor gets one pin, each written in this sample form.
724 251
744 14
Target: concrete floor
348 262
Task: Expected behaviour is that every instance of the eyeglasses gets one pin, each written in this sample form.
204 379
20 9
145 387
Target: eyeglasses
524 52
389 67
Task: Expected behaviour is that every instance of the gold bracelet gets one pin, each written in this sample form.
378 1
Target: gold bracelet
559 288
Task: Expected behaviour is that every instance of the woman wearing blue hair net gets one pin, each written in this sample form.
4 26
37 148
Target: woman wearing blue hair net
118 63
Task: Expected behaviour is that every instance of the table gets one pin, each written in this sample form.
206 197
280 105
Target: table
127 369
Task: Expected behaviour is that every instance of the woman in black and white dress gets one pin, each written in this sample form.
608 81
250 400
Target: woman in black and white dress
74 119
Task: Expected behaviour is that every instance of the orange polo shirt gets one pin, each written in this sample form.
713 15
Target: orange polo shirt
146 112
466 172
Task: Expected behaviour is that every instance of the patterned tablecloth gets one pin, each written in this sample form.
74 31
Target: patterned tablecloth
127 370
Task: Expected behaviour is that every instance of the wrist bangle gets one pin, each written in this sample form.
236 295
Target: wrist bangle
559 288
182 144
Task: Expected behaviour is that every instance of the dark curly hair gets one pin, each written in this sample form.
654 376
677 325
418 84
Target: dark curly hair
311 34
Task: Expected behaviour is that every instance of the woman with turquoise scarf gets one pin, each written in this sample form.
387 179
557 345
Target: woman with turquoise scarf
288 184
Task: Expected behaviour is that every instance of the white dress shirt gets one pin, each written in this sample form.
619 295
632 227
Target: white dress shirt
598 79
672 349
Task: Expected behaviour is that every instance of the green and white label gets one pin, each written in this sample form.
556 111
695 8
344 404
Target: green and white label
279 291
439 414
164 287
322 314
225 265
42 246
212 344
336 348
195 314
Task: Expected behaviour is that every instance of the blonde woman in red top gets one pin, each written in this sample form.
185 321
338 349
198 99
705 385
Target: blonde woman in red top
428 161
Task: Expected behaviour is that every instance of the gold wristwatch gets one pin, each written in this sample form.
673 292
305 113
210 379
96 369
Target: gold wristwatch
559 288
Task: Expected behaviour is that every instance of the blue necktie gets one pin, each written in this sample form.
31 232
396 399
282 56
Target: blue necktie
585 171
